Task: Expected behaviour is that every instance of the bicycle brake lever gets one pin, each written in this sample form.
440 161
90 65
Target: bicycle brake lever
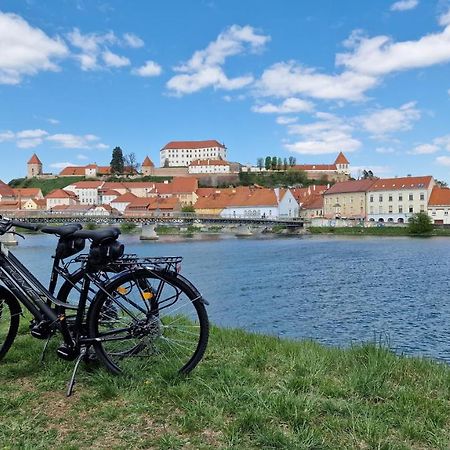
17 234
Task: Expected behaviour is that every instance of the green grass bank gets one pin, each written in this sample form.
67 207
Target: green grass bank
376 231
250 392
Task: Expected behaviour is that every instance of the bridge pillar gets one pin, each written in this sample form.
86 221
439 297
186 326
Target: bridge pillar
243 231
148 233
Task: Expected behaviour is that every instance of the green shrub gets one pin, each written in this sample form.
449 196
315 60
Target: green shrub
420 223
128 227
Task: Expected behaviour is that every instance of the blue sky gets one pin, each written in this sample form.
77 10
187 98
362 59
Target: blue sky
290 78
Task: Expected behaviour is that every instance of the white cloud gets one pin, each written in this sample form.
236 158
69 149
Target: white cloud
65 140
443 160
404 5
386 121
380 55
286 79
113 60
25 50
6 136
62 165
204 68
94 46
425 149
284 120
82 157
29 143
444 19
133 41
290 105
53 121
37 133
443 141
329 134
149 69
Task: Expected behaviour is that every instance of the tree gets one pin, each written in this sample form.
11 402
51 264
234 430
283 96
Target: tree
166 163
260 163
367 175
292 161
442 184
268 163
285 164
131 163
117 163
420 223
279 164
274 163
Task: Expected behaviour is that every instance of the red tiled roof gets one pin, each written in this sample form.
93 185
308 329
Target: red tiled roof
314 202
257 197
193 144
60 193
88 184
302 195
5 190
34 160
209 162
345 187
147 162
394 184
127 197
27 192
182 185
72 170
9 205
110 192
439 197
341 159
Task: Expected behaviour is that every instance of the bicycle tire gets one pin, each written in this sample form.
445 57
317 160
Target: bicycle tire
9 320
159 339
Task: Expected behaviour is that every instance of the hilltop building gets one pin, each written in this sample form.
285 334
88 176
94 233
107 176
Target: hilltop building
182 153
34 167
338 171
147 167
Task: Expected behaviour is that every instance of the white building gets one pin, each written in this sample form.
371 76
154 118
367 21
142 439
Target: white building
209 166
182 153
287 204
397 199
439 206
86 191
60 197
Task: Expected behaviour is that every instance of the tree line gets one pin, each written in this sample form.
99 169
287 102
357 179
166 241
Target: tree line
275 163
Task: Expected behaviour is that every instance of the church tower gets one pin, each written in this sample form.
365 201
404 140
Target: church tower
147 167
342 164
34 167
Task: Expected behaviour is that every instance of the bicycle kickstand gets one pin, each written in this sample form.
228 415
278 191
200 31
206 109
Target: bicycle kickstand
44 350
81 356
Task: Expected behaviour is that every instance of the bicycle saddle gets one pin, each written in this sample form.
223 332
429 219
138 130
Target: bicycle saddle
62 231
98 236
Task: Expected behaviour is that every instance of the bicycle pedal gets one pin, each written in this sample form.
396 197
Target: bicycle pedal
67 353
40 330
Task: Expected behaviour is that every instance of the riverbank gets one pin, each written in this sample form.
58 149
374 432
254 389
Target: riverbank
375 231
250 392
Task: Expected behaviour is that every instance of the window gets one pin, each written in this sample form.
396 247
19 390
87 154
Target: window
390 208
411 209
371 199
390 198
400 209
445 213
400 197
422 196
380 198
411 197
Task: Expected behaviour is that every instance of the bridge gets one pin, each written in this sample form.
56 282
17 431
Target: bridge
141 219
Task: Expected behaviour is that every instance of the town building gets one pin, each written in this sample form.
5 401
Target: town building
182 153
147 167
121 202
60 197
347 200
439 205
34 167
6 192
397 199
200 166
90 170
313 207
338 171
28 193
87 192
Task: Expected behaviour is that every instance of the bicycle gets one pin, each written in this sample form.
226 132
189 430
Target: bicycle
145 313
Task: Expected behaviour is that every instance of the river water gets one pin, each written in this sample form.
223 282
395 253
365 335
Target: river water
336 290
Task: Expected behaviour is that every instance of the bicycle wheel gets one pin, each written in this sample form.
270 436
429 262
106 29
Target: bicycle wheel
149 318
9 321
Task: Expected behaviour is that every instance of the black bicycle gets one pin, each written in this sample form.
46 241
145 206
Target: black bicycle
133 312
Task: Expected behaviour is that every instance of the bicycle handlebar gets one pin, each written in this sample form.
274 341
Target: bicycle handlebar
27 226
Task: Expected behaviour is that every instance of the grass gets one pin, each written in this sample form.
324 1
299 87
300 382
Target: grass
250 392
375 231
128 227
45 185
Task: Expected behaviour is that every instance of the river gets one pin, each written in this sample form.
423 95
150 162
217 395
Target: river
336 290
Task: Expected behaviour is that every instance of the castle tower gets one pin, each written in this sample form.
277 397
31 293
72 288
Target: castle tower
34 167
342 164
147 167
